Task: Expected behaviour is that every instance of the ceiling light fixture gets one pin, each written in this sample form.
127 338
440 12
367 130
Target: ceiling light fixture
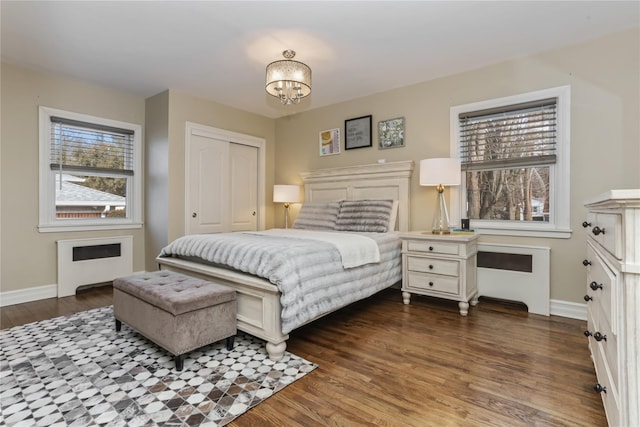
288 80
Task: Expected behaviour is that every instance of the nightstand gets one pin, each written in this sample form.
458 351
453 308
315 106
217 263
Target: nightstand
442 266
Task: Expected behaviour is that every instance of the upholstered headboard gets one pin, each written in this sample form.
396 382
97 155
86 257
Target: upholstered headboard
375 182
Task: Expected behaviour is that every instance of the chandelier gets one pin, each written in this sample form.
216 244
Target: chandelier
288 80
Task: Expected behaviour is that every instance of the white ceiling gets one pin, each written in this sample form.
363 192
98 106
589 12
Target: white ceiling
218 50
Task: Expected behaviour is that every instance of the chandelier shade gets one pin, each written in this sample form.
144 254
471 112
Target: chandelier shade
288 80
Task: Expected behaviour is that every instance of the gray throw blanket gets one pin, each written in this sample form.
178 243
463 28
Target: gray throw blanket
308 273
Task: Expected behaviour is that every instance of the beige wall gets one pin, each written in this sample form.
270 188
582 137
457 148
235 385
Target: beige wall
180 108
28 256
605 149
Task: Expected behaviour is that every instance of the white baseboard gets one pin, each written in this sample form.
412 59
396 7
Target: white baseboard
27 295
568 309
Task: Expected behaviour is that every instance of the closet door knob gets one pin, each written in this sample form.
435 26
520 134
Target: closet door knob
193 215
587 298
586 224
597 230
586 262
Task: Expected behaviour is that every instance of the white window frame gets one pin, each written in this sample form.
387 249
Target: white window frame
559 176
47 203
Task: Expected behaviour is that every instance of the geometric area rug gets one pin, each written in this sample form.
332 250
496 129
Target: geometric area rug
77 371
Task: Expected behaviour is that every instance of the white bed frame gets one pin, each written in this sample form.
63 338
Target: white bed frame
259 300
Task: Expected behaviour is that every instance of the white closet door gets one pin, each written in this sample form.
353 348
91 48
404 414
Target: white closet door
208 186
243 173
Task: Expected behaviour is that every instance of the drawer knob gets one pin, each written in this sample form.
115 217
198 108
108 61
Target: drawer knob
430 267
595 286
599 389
597 230
586 224
430 248
430 283
586 262
587 333
587 298
599 337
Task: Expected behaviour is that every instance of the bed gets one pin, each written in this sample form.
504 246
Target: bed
266 312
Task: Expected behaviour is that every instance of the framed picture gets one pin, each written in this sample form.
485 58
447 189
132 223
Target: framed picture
391 133
357 133
329 142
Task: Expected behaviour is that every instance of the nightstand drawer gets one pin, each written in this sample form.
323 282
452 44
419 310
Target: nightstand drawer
433 283
432 247
434 266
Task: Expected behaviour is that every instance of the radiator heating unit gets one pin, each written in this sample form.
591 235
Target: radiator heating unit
515 273
90 261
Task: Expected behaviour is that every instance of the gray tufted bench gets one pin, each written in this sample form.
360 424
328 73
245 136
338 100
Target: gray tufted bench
178 312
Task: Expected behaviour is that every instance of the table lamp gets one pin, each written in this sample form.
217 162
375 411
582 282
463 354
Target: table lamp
440 172
286 194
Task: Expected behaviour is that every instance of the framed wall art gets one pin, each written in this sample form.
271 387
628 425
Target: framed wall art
329 142
357 133
391 133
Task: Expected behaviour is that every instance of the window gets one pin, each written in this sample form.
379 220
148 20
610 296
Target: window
90 172
514 154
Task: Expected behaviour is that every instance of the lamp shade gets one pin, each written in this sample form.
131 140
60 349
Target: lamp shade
286 193
445 171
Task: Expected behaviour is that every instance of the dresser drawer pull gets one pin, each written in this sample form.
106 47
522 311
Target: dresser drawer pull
430 267
597 230
430 283
586 224
595 286
599 337
599 389
586 262
430 248
587 298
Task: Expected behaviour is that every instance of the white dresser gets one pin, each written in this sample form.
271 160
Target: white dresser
613 301
442 266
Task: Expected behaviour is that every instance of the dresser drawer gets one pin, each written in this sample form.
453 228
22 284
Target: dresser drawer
433 265
600 277
433 283
432 247
606 229
610 399
606 345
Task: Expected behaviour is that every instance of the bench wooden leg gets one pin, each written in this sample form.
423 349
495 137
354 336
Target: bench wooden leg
230 341
118 325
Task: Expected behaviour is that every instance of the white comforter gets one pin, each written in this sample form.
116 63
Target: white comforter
308 273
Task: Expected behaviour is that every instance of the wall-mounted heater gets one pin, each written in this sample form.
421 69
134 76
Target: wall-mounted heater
515 273
89 261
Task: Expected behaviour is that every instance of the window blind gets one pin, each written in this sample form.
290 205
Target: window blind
513 136
80 147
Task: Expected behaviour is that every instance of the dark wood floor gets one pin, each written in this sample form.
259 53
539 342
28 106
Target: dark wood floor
387 364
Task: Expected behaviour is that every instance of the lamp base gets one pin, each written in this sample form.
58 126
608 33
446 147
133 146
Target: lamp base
441 215
440 232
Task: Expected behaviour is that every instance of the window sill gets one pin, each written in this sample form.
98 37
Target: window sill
553 233
57 228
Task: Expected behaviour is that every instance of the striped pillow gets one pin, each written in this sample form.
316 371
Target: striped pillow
365 215
317 216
